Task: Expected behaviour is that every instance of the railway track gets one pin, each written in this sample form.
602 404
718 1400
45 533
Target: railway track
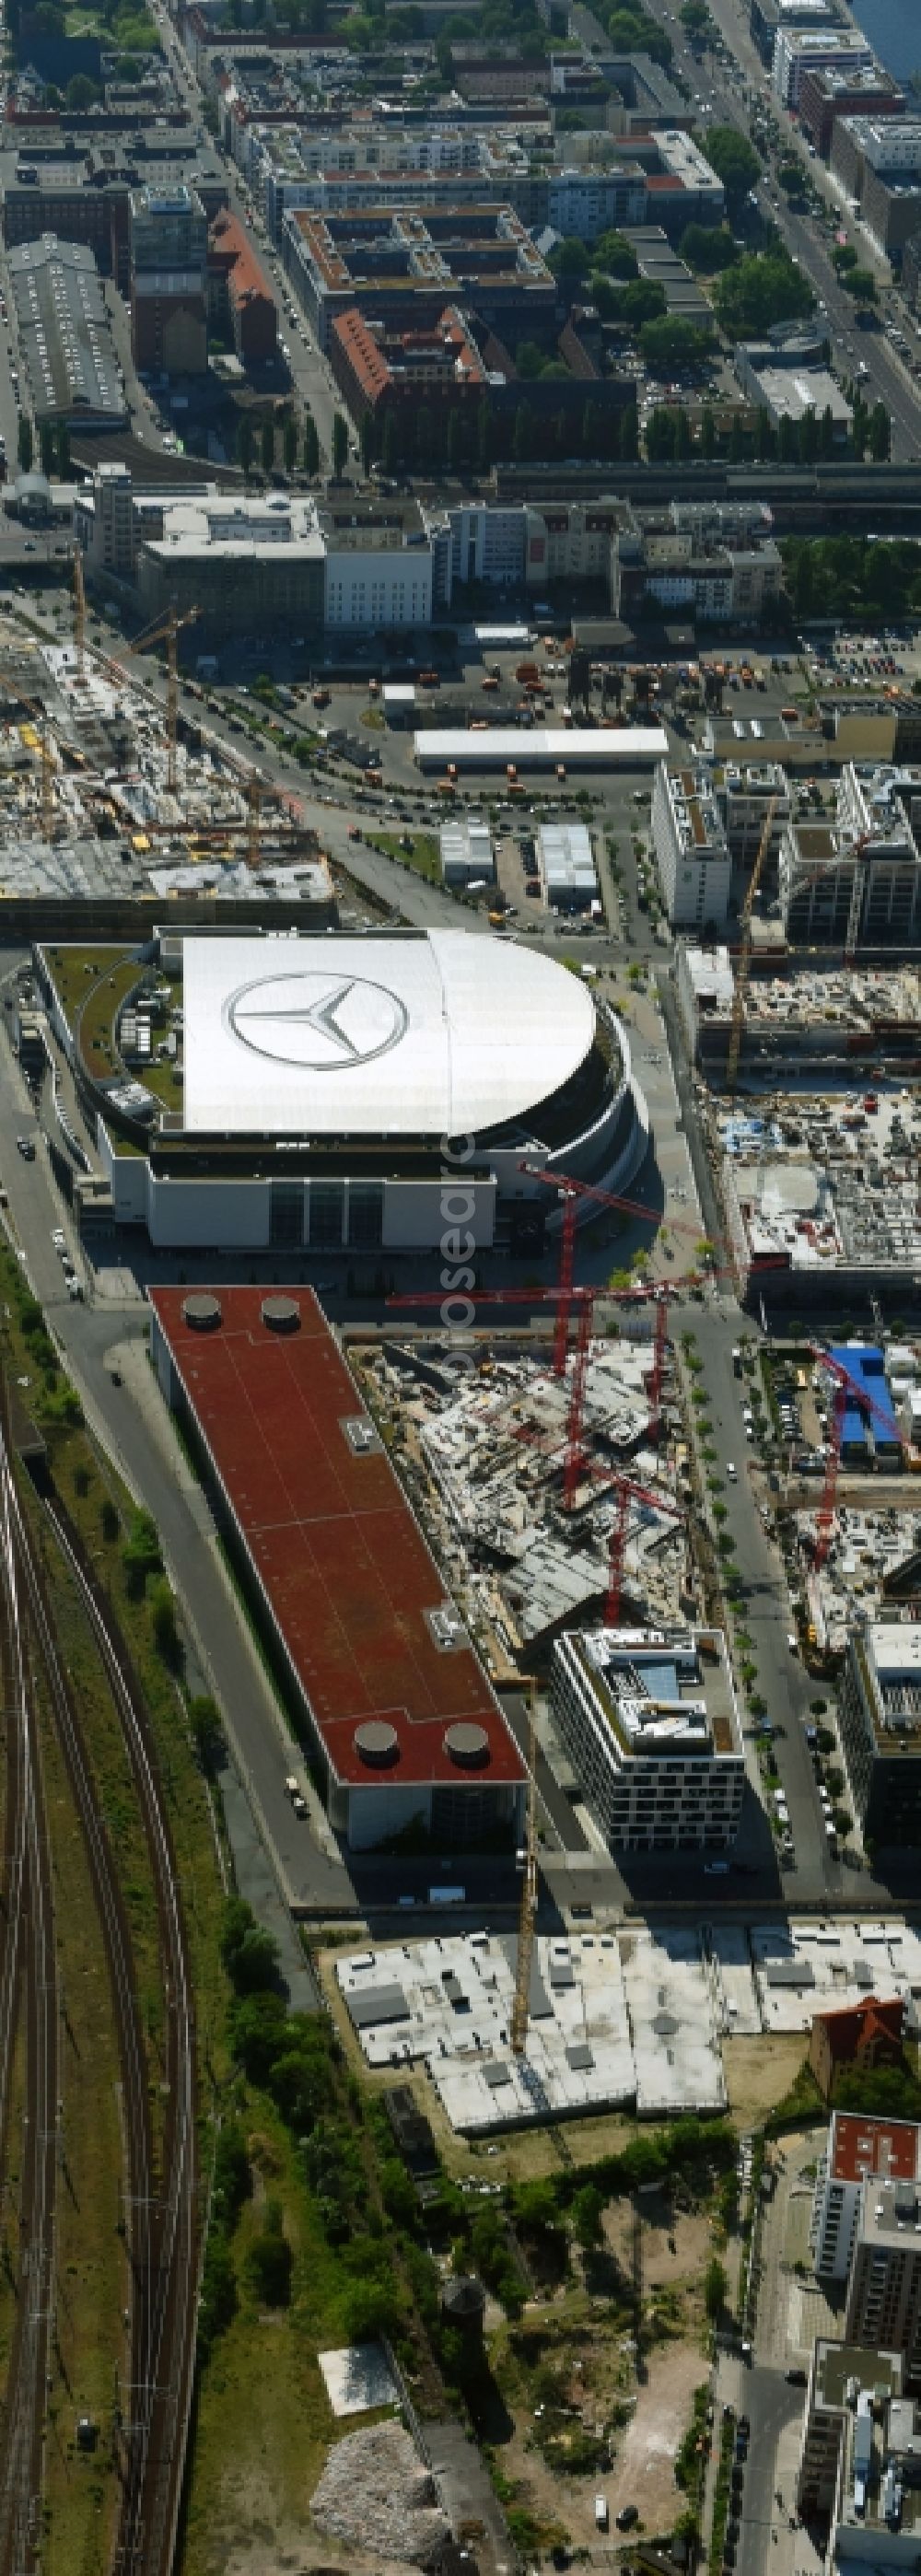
22 2427
161 2210
162 2396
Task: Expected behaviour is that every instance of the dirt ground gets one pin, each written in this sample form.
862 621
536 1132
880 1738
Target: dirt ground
759 2072
602 2361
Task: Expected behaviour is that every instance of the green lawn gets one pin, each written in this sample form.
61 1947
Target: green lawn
422 854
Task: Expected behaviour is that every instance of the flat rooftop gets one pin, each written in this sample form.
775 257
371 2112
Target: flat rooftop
579 746
355 1597
859 2146
662 1692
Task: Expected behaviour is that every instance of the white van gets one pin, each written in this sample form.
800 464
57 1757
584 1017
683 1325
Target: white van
601 2513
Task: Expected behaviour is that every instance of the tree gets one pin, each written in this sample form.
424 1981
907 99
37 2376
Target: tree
523 438
827 433
141 1553
861 283
569 259
844 256
808 438
163 1622
290 443
207 1733
311 446
46 447
81 93
249 1954
587 2211
707 433
630 434
708 247
245 442
880 431
340 444
642 301
25 443
267 444
390 443
787 441
733 158
616 256
762 289
668 344
483 441
714 2288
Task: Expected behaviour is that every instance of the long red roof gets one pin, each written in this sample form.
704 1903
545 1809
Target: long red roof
342 1562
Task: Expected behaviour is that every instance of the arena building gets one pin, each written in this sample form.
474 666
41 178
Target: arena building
357 1093
376 1666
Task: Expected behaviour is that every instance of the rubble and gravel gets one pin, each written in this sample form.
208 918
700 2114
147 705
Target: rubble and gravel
376 2495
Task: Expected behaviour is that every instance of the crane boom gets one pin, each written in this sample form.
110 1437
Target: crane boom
744 959
527 1911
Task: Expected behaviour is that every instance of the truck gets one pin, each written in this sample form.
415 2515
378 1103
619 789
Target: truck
736 1361
527 671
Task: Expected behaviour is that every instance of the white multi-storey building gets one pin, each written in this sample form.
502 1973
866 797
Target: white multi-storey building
692 851
649 1720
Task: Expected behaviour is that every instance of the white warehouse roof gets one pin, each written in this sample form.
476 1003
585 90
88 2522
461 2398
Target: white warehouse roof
567 858
579 746
418 1034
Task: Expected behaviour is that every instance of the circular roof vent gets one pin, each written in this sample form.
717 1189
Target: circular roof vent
468 1746
281 1314
377 1743
202 1313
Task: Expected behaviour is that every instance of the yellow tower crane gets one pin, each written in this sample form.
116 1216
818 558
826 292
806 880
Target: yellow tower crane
168 630
527 1911
744 952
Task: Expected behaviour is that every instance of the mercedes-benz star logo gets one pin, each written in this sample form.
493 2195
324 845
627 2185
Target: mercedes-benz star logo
322 1023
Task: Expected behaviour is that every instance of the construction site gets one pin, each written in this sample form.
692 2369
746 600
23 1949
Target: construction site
632 2017
110 798
522 1480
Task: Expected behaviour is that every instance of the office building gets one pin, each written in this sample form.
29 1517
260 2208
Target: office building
879 1718
692 851
566 867
878 162
766 17
854 882
649 1721
798 50
828 92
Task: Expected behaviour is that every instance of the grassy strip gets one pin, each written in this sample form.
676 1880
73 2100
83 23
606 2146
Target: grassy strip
81 2494
417 850
721 2495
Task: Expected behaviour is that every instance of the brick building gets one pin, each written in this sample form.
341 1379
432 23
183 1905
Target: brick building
377 368
859 2035
239 296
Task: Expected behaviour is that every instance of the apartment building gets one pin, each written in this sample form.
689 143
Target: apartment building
692 851
860 2153
828 92
838 2373
798 50
711 562
649 1720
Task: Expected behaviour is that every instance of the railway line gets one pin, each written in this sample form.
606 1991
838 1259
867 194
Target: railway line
160 2181
22 2427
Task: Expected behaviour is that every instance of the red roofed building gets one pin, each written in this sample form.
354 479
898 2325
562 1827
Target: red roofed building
861 2150
376 366
238 293
865 2034
378 1670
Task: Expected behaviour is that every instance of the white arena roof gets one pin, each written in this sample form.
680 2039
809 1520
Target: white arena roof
578 746
436 1033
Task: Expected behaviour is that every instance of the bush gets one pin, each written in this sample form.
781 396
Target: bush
217 2305
269 2261
109 1521
249 1954
163 1621
141 1553
207 1734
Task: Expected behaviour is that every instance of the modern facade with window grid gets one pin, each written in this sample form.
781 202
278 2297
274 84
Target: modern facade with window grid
649 1720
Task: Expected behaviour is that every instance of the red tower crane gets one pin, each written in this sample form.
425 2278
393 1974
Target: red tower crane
844 1386
571 1190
